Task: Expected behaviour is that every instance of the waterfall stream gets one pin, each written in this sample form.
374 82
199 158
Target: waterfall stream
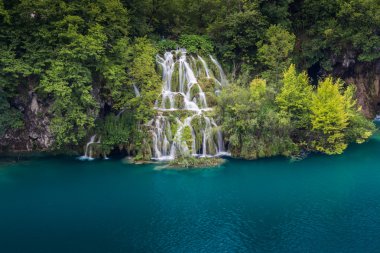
183 125
137 92
88 155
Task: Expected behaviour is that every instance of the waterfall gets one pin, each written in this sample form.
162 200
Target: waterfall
204 66
182 125
137 92
223 80
88 154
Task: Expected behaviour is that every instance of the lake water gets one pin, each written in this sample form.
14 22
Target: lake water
321 204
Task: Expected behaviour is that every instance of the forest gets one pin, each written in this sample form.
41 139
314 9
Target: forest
303 74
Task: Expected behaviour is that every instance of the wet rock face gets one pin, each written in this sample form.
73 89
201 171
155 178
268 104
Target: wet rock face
38 125
365 76
36 134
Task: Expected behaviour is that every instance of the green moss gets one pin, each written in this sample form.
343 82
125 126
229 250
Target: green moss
194 162
198 126
187 136
194 91
175 79
174 128
167 104
211 99
178 101
207 84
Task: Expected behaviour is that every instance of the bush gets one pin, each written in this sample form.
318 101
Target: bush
165 45
10 118
196 44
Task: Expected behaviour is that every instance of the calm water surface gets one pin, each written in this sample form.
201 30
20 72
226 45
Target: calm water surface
321 204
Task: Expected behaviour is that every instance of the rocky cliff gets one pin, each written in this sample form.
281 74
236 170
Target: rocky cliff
35 135
365 76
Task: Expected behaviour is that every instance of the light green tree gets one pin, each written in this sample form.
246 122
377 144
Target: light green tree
295 97
329 118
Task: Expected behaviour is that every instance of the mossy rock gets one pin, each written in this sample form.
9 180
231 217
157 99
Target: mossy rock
187 137
194 162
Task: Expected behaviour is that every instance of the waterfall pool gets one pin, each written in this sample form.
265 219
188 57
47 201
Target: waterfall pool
320 204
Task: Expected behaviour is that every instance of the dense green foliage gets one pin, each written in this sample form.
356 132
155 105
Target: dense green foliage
251 122
76 53
261 123
339 27
85 60
274 52
10 117
329 117
295 96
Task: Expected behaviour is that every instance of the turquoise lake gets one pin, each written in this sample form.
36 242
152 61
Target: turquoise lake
320 204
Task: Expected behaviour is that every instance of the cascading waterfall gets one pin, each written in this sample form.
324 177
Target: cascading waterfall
88 155
205 66
183 125
137 92
223 80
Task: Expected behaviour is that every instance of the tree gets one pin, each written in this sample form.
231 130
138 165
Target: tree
10 118
57 49
86 59
295 98
274 52
332 30
359 128
4 13
236 34
196 44
251 123
134 69
74 109
329 118
277 11
143 75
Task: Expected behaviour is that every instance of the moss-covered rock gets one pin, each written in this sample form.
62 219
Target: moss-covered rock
195 162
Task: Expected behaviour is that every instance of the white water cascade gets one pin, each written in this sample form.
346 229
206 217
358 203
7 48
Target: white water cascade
88 155
223 79
137 92
183 125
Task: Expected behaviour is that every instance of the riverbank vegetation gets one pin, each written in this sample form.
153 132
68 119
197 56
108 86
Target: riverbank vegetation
260 122
71 69
195 162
